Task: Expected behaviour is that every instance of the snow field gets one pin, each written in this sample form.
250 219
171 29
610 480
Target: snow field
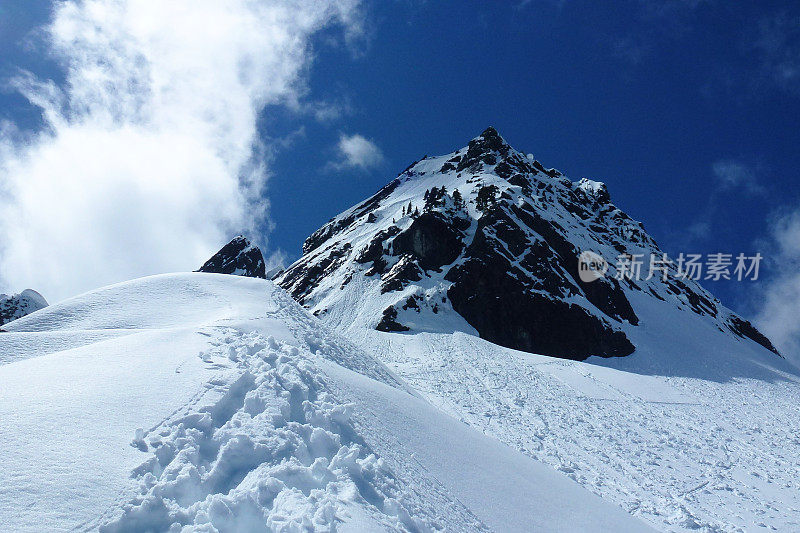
681 453
241 412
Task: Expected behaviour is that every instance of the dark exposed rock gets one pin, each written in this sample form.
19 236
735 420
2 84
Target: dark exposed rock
597 195
504 170
504 312
699 303
374 251
745 329
431 240
484 149
521 181
576 209
502 304
404 271
411 303
239 257
301 278
508 231
605 294
389 321
543 264
16 306
378 267
538 166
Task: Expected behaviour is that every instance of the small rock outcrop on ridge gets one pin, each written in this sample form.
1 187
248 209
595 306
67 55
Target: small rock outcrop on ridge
17 306
239 257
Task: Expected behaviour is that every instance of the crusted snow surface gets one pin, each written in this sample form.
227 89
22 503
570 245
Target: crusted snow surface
206 402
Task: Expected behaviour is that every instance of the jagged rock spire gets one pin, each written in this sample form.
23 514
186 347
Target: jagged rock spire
487 148
239 257
492 137
490 141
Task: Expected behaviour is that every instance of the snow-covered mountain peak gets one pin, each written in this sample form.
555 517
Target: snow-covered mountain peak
488 142
486 240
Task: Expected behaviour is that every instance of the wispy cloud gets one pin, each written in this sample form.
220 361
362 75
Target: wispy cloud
730 177
325 111
733 174
356 151
780 300
777 43
150 157
630 49
659 24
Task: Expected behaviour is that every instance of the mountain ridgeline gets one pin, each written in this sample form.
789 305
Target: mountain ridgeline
486 240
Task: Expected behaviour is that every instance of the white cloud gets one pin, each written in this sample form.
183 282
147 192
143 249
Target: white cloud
780 303
328 111
733 174
150 159
356 151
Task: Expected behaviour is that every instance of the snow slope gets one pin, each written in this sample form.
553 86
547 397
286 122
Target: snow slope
695 429
212 402
712 447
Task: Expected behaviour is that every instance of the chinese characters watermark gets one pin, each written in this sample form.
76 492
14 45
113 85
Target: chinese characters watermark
714 267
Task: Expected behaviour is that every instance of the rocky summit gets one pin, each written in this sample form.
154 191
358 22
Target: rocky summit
486 240
16 306
239 257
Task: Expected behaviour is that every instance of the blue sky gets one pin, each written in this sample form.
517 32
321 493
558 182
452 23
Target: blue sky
648 101
687 111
